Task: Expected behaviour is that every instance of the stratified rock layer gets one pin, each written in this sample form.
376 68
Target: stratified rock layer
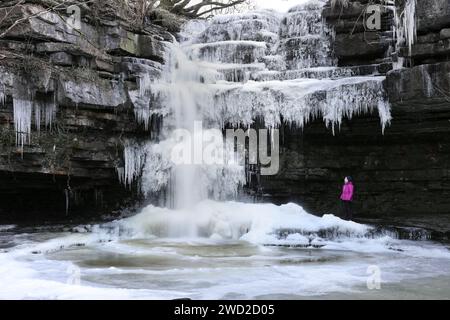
70 90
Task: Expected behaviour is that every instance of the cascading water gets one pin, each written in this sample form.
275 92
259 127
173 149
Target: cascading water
180 93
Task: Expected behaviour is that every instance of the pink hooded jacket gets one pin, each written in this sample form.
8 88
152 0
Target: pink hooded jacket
347 192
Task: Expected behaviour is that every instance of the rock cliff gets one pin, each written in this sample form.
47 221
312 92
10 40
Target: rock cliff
67 110
404 171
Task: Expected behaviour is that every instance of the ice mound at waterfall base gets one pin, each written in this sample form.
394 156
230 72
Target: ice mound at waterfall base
263 224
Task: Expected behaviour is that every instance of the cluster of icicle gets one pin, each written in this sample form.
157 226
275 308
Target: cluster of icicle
405 26
24 107
179 96
150 164
223 52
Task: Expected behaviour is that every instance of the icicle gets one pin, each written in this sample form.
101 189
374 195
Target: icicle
22 120
134 157
144 84
405 26
409 24
142 100
37 115
44 108
428 86
384 111
121 174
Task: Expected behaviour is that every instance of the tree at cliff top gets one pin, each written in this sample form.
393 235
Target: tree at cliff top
203 8
134 12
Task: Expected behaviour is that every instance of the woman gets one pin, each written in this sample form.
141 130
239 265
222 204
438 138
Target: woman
347 198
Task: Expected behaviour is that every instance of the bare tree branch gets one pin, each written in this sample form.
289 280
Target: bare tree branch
198 9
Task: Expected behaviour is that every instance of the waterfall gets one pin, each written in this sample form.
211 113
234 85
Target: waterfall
231 71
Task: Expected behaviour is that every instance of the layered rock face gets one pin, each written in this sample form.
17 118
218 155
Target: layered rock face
404 171
66 111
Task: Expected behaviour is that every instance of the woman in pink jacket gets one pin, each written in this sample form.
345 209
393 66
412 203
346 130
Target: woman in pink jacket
347 198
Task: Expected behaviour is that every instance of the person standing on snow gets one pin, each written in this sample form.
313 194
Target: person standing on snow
347 198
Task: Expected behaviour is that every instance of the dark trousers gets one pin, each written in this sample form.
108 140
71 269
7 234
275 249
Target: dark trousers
347 210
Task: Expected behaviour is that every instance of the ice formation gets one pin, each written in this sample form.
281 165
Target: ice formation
22 120
305 39
404 27
188 183
235 69
44 109
134 156
49 112
409 23
24 107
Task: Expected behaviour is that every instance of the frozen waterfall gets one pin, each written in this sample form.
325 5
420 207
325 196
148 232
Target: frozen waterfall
232 71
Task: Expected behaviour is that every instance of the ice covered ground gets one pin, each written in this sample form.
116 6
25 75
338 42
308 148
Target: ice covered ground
219 251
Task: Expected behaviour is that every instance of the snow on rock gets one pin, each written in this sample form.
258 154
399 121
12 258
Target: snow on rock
242 52
256 223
